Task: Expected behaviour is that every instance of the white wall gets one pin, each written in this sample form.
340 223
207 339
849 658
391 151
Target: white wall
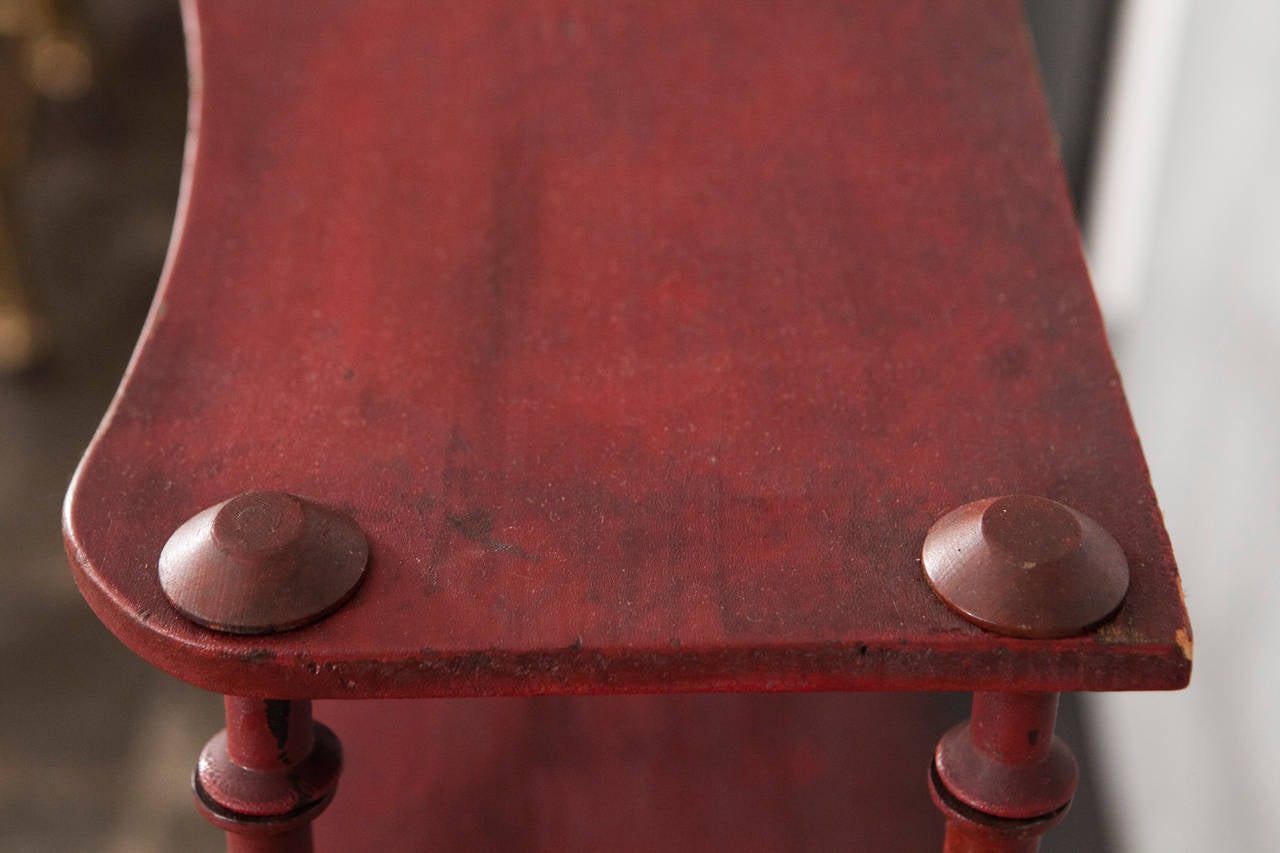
1194 256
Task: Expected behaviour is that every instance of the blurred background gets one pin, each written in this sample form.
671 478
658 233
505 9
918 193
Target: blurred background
1167 114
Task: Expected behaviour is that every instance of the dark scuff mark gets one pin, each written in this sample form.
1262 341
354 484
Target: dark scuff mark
457 481
1033 736
1009 361
477 526
277 711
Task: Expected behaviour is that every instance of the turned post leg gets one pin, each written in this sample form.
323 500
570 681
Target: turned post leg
266 776
1002 778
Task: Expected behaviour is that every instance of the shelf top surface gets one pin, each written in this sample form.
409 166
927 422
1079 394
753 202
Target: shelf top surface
645 341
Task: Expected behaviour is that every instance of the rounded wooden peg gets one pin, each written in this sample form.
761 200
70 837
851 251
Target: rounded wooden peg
263 562
1025 566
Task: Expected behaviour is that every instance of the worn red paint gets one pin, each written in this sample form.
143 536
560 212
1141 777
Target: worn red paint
710 312
643 340
266 776
1003 778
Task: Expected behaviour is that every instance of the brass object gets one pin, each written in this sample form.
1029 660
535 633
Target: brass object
43 54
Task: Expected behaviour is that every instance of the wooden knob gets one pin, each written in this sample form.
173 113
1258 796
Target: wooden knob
263 562
1025 566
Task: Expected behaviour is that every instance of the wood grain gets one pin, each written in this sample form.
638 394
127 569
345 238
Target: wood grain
644 341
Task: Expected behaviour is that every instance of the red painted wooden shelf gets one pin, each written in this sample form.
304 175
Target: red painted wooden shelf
749 772
644 341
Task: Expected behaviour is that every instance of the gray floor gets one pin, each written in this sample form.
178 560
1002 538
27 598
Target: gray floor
96 748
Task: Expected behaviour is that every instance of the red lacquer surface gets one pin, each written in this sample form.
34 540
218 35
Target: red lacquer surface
645 341
800 772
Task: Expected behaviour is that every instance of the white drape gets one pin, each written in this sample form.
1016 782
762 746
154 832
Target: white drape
1198 340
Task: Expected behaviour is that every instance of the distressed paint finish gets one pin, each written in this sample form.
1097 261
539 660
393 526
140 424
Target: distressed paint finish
266 776
643 340
1003 778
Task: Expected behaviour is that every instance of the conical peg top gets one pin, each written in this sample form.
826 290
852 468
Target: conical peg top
1025 566
263 562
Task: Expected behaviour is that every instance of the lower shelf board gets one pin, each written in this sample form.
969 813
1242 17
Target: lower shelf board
735 772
